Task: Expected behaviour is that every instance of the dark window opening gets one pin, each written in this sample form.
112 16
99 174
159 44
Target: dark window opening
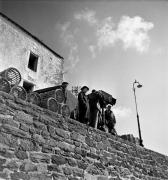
33 61
28 86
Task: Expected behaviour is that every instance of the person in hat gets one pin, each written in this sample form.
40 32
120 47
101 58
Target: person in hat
95 109
110 120
63 87
83 105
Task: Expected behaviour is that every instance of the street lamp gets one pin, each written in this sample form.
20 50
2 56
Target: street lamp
138 85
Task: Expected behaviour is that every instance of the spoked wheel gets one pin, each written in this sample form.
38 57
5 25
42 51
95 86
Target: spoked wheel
19 92
34 98
12 75
52 104
65 110
4 85
59 96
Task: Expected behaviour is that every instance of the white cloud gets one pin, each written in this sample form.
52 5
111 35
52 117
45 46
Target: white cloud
73 57
106 35
68 38
92 49
86 15
122 112
132 32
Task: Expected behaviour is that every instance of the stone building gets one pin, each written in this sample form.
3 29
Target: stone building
39 65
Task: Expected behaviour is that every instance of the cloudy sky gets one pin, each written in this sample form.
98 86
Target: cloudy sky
107 45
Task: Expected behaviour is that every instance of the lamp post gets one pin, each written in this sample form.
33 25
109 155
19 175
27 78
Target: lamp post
138 85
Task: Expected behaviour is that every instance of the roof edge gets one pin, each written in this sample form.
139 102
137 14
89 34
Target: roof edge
28 33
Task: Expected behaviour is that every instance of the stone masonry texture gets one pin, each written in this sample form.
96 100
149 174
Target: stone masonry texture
36 144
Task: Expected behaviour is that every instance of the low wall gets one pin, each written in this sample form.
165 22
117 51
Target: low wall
36 144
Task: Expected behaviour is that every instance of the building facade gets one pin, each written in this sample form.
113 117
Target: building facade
40 66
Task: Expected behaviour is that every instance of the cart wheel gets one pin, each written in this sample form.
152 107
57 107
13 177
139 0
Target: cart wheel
59 96
12 75
52 104
34 98
65 110
19 92
4 85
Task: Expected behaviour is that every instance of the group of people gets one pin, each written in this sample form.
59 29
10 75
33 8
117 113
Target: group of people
90 110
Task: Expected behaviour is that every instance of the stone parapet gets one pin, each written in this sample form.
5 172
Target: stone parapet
37 144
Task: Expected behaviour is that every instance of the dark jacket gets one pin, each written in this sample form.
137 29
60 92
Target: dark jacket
83 105
109 118
93 100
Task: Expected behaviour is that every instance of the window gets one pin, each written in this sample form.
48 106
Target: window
28 86
33 61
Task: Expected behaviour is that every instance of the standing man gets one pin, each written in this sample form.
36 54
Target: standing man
94 108
83 105
63 87
110 120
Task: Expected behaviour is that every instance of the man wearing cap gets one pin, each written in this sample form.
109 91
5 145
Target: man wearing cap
110 120
63 87
83 105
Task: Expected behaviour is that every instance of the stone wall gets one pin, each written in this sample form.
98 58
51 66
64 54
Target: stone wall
131 138
36 144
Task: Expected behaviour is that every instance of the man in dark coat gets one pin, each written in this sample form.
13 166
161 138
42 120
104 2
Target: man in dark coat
110 120
95 109
83 105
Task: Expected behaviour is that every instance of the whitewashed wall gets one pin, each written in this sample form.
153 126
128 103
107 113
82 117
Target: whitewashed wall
15 48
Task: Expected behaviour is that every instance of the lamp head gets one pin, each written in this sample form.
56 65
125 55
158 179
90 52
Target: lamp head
139 86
